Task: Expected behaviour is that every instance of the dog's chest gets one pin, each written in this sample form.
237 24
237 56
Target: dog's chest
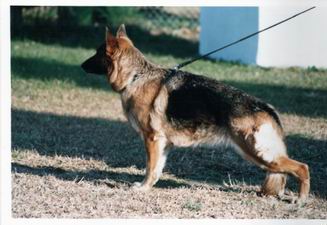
130 113
137 106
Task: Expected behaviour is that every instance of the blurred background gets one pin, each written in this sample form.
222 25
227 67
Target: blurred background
179 21
298 42
149 27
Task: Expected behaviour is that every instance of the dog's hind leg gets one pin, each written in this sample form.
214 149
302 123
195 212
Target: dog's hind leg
274 184
156 153
295 168
262 143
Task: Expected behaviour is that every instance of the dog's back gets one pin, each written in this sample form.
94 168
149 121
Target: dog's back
202 100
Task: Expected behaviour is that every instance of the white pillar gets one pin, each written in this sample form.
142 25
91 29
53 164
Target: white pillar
301 41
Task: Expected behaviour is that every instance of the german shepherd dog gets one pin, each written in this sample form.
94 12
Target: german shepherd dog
178 108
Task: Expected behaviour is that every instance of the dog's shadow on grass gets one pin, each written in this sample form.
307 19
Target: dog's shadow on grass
115 143
98 177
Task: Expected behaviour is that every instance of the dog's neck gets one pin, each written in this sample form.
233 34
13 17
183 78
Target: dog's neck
138 72
145 72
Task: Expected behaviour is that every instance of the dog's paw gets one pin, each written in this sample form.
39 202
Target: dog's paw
289 198
137 186
300 201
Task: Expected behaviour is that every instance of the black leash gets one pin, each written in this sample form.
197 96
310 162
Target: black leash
177 67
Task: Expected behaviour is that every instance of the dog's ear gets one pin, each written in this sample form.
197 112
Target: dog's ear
111 42
121 32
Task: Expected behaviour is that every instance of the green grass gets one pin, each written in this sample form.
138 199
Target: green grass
69 125
294 90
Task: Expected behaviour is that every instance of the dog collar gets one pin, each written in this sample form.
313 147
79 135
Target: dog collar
135 77
170 73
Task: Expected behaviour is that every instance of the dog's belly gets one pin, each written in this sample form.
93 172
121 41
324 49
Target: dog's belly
202 135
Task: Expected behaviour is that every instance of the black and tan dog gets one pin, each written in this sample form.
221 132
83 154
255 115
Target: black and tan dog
182 109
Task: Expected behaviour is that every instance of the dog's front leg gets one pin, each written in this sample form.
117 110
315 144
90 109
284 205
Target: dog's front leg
156 157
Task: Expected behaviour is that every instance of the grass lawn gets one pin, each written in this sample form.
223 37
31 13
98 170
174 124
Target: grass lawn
75 156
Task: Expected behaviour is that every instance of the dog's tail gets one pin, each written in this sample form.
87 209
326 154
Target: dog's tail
274 184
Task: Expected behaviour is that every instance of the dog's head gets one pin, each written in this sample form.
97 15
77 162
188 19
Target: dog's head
98 63
114 58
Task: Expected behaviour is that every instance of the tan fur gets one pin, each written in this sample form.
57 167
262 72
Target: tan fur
156 157
247 125
242 133
274 184
140 104
297 169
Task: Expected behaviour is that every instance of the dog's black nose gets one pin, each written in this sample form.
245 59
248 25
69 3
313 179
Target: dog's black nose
88 67
84 66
